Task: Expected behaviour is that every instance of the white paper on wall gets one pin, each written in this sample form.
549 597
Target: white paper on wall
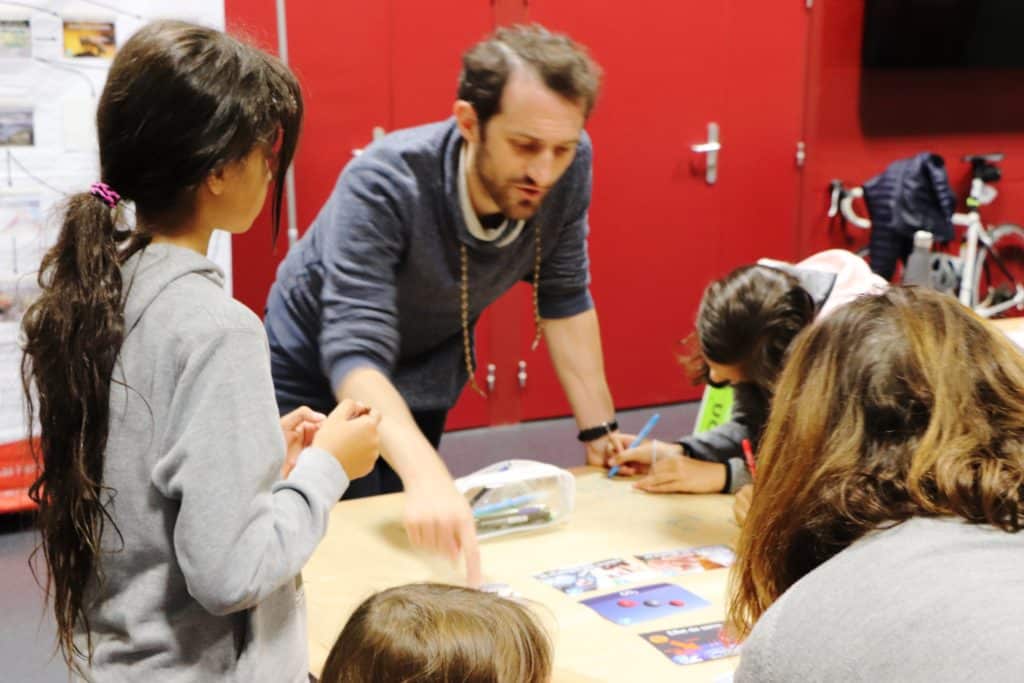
54 59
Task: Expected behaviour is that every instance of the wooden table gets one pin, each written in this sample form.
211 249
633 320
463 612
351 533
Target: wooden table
1011 326
366 550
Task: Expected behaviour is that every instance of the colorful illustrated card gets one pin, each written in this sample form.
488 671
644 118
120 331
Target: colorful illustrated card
593 576
645 603
686 560
692 644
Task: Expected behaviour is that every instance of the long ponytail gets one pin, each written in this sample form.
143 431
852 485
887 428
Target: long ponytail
180 102
72 335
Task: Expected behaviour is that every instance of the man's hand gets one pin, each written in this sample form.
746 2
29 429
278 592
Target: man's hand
438 518
600 451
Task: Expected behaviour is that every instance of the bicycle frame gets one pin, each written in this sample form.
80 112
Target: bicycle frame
977 233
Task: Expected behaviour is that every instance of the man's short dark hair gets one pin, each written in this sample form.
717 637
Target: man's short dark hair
564 66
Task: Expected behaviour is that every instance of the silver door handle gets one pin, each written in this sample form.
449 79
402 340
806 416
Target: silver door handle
521 375
711 148
490 377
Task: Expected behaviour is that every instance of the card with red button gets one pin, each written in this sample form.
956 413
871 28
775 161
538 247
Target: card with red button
692 644
645 603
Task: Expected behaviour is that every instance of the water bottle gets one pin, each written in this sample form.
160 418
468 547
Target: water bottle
918 270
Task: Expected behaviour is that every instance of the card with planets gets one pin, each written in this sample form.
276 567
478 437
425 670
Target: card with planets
644 603
693 644
687 560
594 576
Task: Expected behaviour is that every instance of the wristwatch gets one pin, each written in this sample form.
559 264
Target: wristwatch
594 433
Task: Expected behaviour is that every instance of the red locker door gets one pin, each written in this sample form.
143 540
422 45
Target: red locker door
655 222
338 51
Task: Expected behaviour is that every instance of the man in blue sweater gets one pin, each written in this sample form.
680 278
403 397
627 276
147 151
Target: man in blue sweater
424 230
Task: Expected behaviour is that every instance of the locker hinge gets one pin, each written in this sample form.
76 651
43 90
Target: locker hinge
801 153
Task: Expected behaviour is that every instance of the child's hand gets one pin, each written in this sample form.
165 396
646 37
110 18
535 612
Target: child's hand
683 474
298 427
350 434
639 460
741 506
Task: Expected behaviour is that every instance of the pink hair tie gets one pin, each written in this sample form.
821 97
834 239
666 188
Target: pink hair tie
106 193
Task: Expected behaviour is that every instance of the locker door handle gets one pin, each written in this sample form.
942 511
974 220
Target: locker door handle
491 371
711 148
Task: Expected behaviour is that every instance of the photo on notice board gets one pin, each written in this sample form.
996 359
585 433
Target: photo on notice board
23 242
89 39
17 128
15 38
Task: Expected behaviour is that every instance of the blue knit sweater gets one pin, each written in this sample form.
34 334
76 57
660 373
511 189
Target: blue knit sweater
375 281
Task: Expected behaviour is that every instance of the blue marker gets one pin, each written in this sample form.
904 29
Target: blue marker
639 437
504 505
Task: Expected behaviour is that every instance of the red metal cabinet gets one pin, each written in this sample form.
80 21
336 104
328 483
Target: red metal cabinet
659 230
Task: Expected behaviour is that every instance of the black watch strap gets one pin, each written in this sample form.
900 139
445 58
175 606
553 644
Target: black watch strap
603 429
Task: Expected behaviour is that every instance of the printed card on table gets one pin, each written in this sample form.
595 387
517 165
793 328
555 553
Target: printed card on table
687 560
693 644
593 576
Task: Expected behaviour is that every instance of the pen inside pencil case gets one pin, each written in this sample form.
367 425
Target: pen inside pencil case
532 514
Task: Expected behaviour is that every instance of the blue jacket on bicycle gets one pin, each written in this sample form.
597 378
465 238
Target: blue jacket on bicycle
910 195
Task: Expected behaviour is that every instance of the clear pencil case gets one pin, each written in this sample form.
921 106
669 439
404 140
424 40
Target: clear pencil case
518 495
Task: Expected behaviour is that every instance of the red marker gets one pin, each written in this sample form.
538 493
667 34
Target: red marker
748 453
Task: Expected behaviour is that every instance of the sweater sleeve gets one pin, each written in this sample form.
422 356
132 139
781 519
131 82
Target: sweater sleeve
565 273
363 246
724 443
238 535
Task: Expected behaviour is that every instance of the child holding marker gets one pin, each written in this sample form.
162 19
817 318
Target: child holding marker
745 324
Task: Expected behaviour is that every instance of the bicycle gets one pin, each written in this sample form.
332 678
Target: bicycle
989 291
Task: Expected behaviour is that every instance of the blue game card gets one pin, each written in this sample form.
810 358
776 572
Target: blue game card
645 603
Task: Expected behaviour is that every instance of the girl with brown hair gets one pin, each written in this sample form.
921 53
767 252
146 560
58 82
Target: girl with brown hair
891 470
174 515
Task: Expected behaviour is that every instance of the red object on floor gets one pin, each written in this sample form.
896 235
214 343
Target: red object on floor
17 472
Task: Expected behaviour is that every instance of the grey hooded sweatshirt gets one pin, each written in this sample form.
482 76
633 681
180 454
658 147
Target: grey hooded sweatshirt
201 576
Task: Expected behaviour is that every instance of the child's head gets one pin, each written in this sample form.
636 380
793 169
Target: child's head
898 405
183 107
182 103
745 324
427 632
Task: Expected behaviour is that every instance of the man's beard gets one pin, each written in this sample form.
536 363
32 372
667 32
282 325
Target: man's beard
503 194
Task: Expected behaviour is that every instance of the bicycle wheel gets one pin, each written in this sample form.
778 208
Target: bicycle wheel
994 284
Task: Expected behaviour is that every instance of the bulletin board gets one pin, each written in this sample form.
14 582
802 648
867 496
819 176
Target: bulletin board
54 59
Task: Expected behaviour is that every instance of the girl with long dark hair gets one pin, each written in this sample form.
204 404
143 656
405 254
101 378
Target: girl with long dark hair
175 516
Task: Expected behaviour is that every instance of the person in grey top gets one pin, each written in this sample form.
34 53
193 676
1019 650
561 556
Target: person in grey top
745 325
883 540
425 229
176 508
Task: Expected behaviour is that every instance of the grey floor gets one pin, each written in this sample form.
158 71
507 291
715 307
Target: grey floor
27 631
